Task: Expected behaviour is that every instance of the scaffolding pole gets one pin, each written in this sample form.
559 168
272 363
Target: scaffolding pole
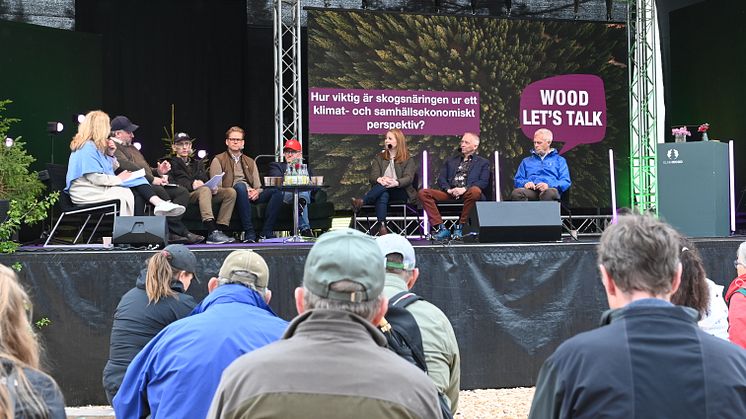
641 29
288 72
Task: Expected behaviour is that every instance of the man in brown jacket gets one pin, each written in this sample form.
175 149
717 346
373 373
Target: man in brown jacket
332 361
130 158
242 175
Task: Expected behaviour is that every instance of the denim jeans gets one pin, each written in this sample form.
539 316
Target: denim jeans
243 204
287 198
381 195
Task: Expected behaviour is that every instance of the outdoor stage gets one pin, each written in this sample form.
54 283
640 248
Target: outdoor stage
511 305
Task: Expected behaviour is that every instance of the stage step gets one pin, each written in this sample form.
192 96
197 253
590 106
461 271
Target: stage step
90 412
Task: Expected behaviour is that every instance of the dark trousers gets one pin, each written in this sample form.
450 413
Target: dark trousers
243 204
429 197
380 196
523 194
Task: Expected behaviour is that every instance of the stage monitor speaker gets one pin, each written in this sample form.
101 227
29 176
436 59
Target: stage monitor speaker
140 230
515 221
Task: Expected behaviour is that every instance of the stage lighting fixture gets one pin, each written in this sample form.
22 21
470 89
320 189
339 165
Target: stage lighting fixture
202 154
55 127
9 142
137 145
79 118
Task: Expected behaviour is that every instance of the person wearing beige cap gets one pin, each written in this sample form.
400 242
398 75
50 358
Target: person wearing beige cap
176 374
332 362
438 339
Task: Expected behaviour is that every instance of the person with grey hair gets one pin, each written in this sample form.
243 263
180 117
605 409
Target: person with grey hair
438 339
332 361
176 374
736 299
462 178
544 174
649 358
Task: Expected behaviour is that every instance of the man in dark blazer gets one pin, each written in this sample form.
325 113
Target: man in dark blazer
462 178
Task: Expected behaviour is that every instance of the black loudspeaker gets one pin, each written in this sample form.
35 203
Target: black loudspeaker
140 230
515 221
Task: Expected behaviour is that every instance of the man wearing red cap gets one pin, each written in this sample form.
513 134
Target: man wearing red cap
242 175
293 154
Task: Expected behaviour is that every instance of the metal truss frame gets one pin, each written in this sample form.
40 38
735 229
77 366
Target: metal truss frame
288 72
641 30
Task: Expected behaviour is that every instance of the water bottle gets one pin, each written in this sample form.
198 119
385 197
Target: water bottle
286 180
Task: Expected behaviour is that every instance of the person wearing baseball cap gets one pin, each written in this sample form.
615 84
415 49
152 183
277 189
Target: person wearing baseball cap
159 298
190 173
293 155
130 158
438 339
332 361
188 357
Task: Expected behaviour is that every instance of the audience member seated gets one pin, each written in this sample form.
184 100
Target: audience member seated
332 362
25 391
649 358
192 175
462 178
293 154
392 174
176 374
158 299
90 171
735 297
544 174
438 339
700 293
242 175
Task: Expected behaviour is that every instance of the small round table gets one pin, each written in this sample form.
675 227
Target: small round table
296 189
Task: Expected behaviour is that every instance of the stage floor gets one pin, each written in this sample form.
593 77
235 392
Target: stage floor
511 304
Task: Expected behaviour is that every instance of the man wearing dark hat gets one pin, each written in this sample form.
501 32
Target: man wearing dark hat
130 158
192 175
293 154
177 373
242 175
332 361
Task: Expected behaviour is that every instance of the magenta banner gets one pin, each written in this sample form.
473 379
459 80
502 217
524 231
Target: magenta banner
416 112
572 106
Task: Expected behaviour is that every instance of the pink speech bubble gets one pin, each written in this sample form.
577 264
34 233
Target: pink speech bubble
572 106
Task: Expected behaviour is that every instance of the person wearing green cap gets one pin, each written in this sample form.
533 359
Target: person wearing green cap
332 361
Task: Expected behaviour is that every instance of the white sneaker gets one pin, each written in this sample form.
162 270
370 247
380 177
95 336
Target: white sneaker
168 209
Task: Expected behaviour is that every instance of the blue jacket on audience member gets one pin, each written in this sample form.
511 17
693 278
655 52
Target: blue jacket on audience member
552 170
177 373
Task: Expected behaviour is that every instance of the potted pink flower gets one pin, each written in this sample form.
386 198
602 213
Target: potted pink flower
703 129
680 134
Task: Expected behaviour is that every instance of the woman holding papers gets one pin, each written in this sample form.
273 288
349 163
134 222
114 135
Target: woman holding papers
90 172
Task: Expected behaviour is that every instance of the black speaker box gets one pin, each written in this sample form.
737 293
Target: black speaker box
515 221
140 230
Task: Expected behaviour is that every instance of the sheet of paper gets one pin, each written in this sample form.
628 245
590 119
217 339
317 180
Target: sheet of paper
215 181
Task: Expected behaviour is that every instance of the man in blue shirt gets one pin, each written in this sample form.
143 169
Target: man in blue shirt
176 374
544 174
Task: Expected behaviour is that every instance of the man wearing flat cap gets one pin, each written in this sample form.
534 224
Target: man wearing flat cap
130 158
191 174
176 374
332 362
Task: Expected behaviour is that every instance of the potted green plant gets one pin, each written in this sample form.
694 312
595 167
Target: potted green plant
20 188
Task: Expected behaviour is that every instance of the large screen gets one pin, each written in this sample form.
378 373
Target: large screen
436 77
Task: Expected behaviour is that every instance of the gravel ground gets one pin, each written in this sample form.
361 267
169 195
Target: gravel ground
507 403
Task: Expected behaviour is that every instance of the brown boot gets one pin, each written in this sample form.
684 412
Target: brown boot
382 230
357 203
